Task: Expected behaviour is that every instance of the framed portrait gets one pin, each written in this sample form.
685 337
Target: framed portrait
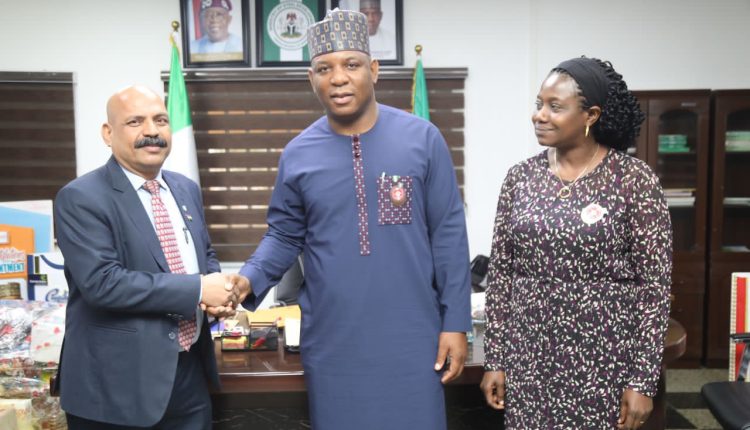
215 33
281 30
385 24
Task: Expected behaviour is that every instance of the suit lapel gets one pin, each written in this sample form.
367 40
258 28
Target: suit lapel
132 205
190 215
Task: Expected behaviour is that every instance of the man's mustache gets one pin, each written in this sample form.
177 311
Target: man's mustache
151 141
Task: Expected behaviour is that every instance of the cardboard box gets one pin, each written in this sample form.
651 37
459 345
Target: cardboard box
23 410
8 419
34 214
16 244
46 278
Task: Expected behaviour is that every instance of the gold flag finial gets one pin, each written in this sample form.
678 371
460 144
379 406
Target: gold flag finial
418 49
175 25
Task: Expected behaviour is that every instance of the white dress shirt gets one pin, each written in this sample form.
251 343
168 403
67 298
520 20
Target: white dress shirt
184 238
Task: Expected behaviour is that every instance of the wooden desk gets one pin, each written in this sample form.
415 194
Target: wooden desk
259 371
280 371
275 378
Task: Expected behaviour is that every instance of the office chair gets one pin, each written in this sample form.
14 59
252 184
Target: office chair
479 266
287 290
729 401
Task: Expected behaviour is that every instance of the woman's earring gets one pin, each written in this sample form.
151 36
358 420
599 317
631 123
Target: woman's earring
587 131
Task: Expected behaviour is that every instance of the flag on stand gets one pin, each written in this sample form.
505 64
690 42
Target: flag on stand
739 322
420 106
183 158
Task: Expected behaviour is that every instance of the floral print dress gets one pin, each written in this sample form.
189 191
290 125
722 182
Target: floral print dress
578 292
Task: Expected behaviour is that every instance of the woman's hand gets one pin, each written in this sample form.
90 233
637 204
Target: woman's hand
634 410
493 387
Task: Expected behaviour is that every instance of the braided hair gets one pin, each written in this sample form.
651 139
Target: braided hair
621 118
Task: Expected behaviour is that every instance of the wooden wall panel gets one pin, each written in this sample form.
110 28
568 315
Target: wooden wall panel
243 119
37 134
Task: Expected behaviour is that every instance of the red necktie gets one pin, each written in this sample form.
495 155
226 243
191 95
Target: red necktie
168 241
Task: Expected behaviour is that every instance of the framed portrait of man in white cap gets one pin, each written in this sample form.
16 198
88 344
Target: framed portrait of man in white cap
385 27
215 33
281 30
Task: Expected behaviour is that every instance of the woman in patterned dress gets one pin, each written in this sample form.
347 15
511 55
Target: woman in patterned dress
579 278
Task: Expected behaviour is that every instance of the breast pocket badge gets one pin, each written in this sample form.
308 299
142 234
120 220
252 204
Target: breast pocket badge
394 199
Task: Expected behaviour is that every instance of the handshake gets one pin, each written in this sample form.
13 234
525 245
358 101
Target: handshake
221 293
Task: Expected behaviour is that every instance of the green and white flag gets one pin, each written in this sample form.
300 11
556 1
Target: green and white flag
420 105
286 24
183 157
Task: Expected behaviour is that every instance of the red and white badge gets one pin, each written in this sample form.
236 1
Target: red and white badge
592 213
398 194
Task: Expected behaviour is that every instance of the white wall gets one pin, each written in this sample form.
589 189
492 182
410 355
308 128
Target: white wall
107 44
493 41
507 45
666 44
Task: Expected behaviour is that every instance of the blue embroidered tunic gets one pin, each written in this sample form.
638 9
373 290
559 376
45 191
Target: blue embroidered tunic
386 268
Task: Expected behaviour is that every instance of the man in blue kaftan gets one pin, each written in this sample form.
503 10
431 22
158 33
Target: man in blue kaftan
369 195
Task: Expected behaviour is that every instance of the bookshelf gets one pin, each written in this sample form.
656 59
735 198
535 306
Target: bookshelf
729 215
674 141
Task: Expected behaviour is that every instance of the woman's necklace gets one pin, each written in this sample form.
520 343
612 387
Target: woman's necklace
565 192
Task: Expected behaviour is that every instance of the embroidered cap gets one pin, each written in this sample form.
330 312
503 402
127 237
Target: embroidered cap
224 4
340 30
369 4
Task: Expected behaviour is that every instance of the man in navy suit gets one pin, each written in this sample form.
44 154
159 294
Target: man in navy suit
137 350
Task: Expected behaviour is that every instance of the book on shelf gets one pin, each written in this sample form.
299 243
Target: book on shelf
672 139
674 150
737 201
672 143
678 192
738 135
737 146
680 201
735 248
737 141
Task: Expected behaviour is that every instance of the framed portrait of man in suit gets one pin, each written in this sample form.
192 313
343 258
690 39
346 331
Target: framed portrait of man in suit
385 26
215 33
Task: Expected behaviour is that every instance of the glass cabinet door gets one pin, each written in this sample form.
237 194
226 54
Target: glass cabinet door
733 148
678 133
730 213
675 142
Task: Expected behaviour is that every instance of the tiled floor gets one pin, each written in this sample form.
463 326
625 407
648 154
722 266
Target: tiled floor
685 407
